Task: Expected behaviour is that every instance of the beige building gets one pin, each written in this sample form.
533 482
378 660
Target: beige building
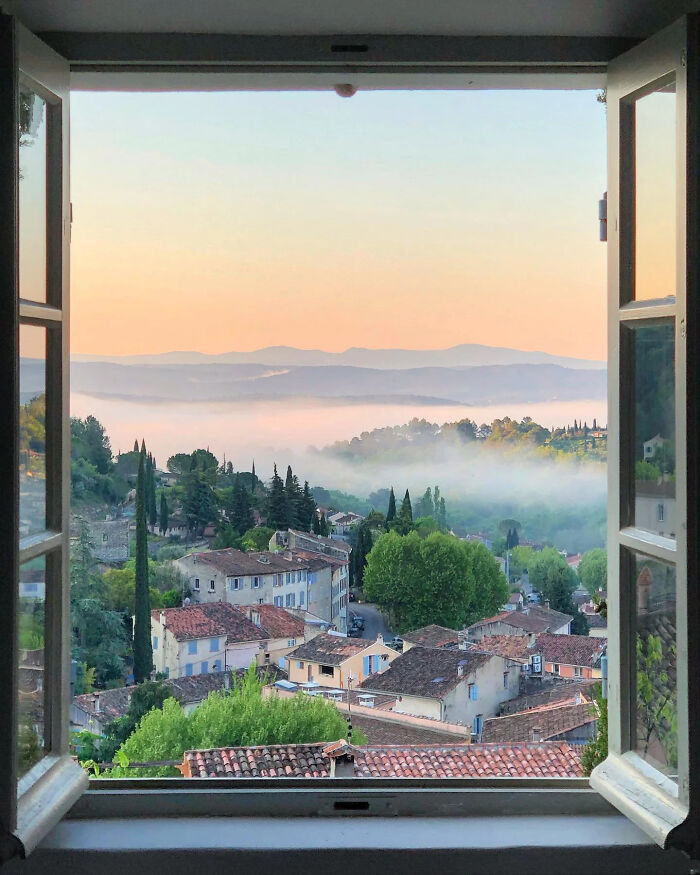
286 632
334 660
459 686
531 620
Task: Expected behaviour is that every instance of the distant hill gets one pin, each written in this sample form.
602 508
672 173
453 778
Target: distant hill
464 355
482 385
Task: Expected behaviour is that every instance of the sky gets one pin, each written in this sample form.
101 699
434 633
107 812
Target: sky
234 221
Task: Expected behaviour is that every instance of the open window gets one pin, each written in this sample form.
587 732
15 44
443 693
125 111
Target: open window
651 772
40 781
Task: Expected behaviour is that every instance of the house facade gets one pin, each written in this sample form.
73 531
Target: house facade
110 540
455 686
334 660
570 656
531 620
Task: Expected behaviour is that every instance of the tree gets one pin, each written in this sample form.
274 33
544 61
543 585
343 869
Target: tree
143 651
307 510
277 506
294 495
316 523
362 537
593 570
163 513
426 507
596 748
656 697
391 510
257 539
144 698
199 505
406 512
433 580
323 529
150 481
136 446
441 518
552 578
240 513
237 717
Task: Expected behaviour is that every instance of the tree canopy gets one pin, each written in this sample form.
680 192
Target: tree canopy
593 570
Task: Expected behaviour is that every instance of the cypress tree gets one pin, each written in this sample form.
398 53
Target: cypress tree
151 510
442 515
308 507
136 446
391 511
163 514
293 493
277 512
316 523
143 652
323 526
241 513
406 512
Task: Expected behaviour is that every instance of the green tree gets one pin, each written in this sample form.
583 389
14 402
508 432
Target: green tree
596 748
426 507
145 697
391 510
150 485
295 496
240 716
433 580
316 523
277 506
555 582
240 512
143 651
656 697
406 512
199 505
257 539
163 522
593 570
441 517
361 548
323 529
307 510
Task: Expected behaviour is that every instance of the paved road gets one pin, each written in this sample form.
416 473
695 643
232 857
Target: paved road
374 621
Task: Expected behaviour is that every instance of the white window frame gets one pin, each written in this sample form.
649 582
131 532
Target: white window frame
104 794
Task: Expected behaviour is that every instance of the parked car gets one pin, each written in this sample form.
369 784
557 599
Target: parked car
353 632
358 622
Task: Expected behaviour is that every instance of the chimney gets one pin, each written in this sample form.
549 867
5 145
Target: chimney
462 642
341 759
162 619
460 671
380 638
546 603
96 703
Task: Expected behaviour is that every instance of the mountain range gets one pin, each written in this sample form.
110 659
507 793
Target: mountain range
463 355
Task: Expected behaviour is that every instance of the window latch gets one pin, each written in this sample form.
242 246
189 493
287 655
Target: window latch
603 218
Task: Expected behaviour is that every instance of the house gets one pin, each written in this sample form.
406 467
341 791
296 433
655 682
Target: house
197 639
650 447
177 526
332 659
296 540
512 647
340 759
285 630
329 583
458 686
546 689
515 602
655 506
95 711
573 656
574 721
110 540
531 620
431 636
343 522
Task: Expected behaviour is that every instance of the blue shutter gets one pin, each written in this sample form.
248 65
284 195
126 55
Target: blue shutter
205 668
298 664
366 665
281 661
188 669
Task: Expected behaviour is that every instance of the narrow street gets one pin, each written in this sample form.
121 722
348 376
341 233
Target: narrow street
374 621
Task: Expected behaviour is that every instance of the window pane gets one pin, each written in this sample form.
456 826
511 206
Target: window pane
654 455
655 194
655 643
32 195
32 430
30 727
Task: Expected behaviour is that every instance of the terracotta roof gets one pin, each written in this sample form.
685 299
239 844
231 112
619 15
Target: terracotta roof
210 619
525 760
532 618
113 703
237 563
546 690
570 649
544 722
330 649
329 542
507 646
427 672
543 760
432 636
596 621
262 761
315 561
277 622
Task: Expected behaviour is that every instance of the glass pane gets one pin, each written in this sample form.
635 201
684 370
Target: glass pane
654 429
657 709
32 430
32 195
30 726
655 194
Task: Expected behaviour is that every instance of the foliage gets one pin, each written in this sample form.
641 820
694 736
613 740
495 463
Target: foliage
593 570
256 539
277 503
240 716
656 697
437 580
596 748
391 509
555 582
163 515
145 697
143 651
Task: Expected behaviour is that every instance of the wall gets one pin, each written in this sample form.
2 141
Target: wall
419 706
352 666
491 692
567 671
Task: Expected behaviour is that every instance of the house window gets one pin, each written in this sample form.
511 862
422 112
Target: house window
327 670
191 647
578 671
188 669
167 671
155 642
660 513
196 583
213 644
212 586
300 665
278 601
478 724
556 668
473 692
291 642
261 601
235 583
505 679
301 597
291 599
104 537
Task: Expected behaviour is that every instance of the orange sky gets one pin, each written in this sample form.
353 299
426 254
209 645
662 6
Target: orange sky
419 220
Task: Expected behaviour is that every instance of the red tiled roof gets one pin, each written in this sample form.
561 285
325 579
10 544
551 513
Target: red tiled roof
508 646
526 760
532 618
546 722
209 620
277 622
237 563
330 649
262 761
432 636
570 649
543 760
427 672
